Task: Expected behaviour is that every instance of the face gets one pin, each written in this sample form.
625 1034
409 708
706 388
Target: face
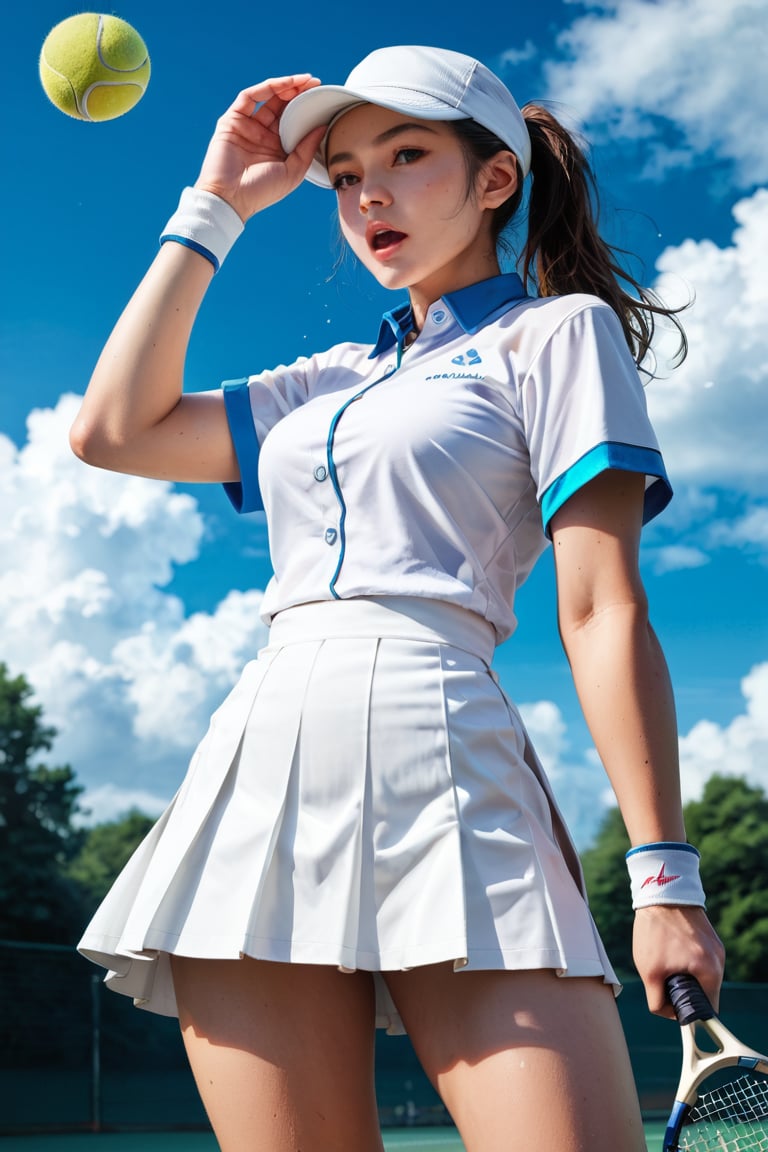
401 185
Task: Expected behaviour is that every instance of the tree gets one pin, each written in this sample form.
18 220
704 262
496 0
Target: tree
104 852
605 873
37 835
729 826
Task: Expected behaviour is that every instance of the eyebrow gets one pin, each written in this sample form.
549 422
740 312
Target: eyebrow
383 137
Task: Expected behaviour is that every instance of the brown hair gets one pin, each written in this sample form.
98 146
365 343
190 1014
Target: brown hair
564 251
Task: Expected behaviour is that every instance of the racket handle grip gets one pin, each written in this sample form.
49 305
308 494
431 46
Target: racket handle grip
688 999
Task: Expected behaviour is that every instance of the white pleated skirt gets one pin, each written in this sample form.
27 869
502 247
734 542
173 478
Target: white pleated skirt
366 797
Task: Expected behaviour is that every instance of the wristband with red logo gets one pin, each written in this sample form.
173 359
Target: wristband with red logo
665 873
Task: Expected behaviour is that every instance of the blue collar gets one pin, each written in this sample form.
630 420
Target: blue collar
472 307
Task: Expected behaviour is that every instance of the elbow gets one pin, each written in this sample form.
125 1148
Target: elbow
79 440
90 443
82 440
622 616
630 604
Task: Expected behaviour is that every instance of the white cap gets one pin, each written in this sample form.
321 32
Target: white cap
426 83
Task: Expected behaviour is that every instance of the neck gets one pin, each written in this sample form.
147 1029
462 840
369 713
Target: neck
423 296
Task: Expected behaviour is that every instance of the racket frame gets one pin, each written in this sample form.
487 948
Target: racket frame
694 1012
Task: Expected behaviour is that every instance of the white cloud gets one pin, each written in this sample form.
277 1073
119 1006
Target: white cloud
736 749
581 786
676 556
579 782
108 802
638 68
191 665
749 531
710 413
514 56
126 678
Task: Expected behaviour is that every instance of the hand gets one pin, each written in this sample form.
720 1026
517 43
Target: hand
673 938
245 163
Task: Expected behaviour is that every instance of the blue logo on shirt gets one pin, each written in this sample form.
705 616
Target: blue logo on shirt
456 376
472 356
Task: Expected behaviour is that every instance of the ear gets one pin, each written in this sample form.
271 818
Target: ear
498 180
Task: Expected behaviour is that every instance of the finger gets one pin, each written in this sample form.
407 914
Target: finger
711 979
282 87
304 152
658 1001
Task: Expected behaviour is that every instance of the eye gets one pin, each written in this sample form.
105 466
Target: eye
344 180
408 155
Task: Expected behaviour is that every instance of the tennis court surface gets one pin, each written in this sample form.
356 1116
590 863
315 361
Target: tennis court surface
395 1140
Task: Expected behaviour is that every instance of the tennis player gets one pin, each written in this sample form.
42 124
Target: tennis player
365 834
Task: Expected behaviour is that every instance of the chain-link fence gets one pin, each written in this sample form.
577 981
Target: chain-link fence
75 1056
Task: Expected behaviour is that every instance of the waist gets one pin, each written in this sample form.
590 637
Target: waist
391 617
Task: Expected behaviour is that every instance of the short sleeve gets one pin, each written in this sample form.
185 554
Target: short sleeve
253 406
584 411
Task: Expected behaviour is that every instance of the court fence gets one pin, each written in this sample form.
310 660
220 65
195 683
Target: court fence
75 1057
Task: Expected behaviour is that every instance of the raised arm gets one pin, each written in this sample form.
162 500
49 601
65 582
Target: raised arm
623 685
134 417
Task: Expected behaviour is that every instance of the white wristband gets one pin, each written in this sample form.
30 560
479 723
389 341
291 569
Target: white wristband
205 223
665 873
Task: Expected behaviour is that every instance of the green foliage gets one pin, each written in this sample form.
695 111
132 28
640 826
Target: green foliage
105 850
605 872
37 836
729 826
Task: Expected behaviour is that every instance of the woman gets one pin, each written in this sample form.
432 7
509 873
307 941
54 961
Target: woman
365 834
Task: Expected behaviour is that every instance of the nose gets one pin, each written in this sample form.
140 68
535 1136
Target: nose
373 193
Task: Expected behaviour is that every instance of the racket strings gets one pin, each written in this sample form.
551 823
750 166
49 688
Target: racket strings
731 1118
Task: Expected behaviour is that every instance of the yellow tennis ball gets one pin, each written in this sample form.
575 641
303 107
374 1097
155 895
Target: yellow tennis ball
94 67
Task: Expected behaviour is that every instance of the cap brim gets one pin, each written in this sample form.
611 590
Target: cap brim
321 105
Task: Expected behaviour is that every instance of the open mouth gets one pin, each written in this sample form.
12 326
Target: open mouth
385 238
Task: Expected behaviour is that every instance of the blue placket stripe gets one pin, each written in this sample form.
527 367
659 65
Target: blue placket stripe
333 474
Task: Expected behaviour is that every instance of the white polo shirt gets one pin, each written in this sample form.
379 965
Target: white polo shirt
435 471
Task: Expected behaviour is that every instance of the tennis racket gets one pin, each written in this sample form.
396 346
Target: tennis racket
722 1099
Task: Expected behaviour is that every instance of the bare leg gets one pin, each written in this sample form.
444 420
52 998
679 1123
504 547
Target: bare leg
282 1053
523 1059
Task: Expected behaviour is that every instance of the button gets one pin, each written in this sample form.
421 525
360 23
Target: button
320 472
330 535
438 316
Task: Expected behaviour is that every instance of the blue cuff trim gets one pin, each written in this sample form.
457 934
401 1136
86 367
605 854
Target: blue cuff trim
244 494
662 845
193 244
624 457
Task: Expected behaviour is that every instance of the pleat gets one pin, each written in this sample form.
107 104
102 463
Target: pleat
308 907
366 797
419 904
184 888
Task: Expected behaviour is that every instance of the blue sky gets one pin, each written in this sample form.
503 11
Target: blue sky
130 605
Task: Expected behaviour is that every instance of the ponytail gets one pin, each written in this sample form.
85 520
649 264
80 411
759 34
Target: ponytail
564 251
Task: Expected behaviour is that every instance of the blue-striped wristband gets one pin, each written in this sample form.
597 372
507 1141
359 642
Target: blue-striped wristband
205 223
665 873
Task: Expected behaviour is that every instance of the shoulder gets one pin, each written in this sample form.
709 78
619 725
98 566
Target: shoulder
347 352
307 372
545 316
568 329
341 358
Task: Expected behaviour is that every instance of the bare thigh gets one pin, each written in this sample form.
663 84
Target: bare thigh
523 1059
282 1054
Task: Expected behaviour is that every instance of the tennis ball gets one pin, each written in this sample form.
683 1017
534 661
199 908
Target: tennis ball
94 67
